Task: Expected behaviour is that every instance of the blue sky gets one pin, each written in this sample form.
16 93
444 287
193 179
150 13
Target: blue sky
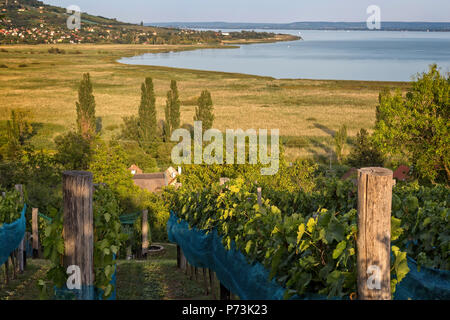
277 11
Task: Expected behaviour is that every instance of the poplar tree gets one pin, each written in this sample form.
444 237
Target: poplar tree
204 111
148 127
167 129
86 121
172 111
340 139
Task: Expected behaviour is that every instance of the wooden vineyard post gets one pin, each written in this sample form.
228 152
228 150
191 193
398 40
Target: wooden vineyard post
225 294
78 228
35 229
25 252
21 249
205 281
178 257
374 233
145 242
7 259
183 261
259 197
212 281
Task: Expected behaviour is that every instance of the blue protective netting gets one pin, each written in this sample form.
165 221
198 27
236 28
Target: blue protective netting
86 292
129 219
29 248
231 267
11 235
428 284
251 281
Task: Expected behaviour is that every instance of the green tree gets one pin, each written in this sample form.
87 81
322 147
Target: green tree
109 165
86 121
130 128
172 110
417 125
73 151
41 176
340 139
148 127
365 153
204 111
18 130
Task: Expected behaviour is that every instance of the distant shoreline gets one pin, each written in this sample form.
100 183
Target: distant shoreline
328 26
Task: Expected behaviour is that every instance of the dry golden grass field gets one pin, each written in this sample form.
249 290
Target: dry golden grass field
307 112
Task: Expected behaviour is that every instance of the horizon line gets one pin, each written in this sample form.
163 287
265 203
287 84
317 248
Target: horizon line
318 21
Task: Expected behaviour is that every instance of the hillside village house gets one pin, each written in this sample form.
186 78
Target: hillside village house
153 182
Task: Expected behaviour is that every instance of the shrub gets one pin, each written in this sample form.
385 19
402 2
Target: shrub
416 125
74 152
56 51
365 153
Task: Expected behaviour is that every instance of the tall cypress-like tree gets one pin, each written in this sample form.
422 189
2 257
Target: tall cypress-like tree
174 106
340 139
172 110
148 127
204 111
167 109
86 108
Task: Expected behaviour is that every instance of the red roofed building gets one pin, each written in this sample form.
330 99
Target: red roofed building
402 173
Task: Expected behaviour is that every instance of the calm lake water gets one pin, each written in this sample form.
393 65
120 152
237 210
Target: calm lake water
340 55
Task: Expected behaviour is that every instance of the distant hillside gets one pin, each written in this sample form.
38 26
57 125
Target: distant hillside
33 22
385 26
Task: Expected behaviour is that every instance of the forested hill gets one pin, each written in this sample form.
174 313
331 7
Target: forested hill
385 26
33 22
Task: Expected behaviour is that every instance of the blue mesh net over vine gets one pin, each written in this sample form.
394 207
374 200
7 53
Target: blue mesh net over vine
86 292
129 219
251 281
11 235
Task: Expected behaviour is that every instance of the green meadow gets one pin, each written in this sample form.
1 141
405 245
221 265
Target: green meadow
307 112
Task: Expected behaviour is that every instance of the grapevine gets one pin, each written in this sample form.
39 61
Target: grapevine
306 240
108 239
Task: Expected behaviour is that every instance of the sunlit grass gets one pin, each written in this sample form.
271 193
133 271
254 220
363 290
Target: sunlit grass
47 85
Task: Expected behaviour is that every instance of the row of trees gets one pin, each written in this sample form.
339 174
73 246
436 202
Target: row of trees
40 171
144 127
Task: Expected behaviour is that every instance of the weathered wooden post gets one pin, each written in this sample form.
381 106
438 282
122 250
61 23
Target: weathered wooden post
259 197
21 249
211 281
78 228
225 294
25 251
205 280
145 242
374 233
7 259
178 257
183 260
35 229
